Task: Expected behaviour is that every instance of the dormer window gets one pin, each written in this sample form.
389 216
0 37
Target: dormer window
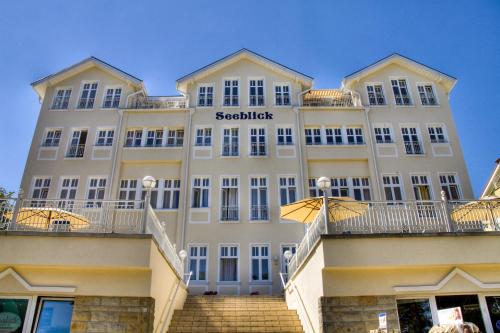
401 93
375 94
87 98
206 95
256 92
231 93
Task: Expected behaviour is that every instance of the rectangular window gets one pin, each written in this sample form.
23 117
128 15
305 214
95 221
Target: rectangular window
154 138
436 134
41 188
153 196
201 191
77 145
198 258
392 188
206 96
450 186
229 199
285 136
361 188
334 136
230 142
415 315
97 189
340 187
257 142
426 93
383 135
112 98
288 190
259 207
175 138
52 138
282 95
54 315
203 137
260 262
355 136
105 137
411 141
87 98
231 93
171 193
401 93
127 194
61 99
68 190
375 94
313 136
314 191
421 187
228 264
256 92
134 138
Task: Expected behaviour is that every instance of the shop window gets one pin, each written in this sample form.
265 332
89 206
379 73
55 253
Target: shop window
13 314
414 315
493 303
54 315
469 305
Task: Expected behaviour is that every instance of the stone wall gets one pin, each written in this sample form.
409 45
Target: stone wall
113 314
356 314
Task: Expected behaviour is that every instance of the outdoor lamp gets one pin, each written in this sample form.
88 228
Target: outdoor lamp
288 255
323 183
183 255
149 182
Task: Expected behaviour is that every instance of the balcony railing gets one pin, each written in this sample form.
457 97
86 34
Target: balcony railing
257 149
403 217
259 213
413 148
157 102
87 216
345 99
178 143
229 213
230 150
76 151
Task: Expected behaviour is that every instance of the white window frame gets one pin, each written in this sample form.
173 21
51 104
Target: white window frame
343 136
106 138
258 187
256 79
238 187
105 94
77 108
355 135
231 105
384 94
285 128
95 202
260 257
172 189
361 187
134 137
198 257
203 136
311 185
382 127
419 137
457 183
206 86
219 257
34 187
443 128
67 200
201 187
258 143
282 84
238 139
287 187
54 97
130 203
429 183
392 186
45 137
336 185
31 310
70 139
434 92
408 88
313 136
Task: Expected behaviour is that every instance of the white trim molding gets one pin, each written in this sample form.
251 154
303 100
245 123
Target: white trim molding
59 289
456 271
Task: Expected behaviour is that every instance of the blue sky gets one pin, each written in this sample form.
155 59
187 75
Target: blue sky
159 41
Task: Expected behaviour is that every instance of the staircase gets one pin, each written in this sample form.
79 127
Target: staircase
235 314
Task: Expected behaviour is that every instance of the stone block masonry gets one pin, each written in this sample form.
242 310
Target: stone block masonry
357 314
112 314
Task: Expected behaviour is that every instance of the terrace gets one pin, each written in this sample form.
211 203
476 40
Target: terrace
335 98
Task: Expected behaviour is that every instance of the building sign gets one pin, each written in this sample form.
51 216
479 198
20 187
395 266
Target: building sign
250 115
450 316
382 321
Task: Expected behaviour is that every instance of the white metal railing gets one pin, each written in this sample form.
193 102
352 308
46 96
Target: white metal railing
156 102
259 212
413 148
229 213
402 217
75 151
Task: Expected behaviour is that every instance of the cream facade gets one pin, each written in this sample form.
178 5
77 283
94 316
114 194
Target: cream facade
245 136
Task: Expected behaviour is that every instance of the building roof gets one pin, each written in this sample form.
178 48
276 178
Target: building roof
324 93
243 54
492 187
41 85
447 80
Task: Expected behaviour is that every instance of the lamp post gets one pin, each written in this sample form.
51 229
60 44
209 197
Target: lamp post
324 185
148 183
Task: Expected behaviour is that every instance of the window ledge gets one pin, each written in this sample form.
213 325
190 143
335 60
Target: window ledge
228 283
260 283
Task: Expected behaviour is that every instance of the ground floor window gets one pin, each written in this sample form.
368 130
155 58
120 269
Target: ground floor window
13 314
468 304
228 265
198 262
493 303
414 315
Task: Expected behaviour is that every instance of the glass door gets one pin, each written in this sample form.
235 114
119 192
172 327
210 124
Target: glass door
469 305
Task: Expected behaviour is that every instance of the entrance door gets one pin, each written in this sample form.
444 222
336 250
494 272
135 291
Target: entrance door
469 304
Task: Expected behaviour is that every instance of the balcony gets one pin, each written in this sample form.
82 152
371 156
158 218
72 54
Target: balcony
76 151
229 213
259 213
156 102
405 218
331 98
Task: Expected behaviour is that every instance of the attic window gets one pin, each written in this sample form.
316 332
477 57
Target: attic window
87 98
